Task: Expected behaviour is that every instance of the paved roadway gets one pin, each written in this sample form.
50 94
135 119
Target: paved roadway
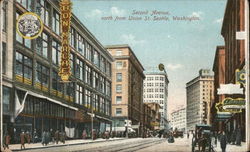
127 145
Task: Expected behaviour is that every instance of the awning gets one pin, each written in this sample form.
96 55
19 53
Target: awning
47 98
103 118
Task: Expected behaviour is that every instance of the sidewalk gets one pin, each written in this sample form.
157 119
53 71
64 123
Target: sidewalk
17 147
231 148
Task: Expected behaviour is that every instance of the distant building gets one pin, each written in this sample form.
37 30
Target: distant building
199 95
156 91
178 119
127 89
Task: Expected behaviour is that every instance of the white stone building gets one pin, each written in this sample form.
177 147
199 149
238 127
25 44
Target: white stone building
156 90
178 119
199 93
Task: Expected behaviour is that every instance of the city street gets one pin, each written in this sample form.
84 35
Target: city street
134 144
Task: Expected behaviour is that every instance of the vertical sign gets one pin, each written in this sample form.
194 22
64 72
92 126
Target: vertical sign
65 17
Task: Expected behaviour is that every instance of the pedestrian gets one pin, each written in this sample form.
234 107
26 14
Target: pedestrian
84 134
43 137
233 137
106 135
52 137
35 136
22 140
62 137
215 136
6 141
47 138
28 137
188 135
238 136
57 136
223 141
202 143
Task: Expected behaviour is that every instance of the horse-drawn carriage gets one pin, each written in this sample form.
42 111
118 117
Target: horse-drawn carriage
202 138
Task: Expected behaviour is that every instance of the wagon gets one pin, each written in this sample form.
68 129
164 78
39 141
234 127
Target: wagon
202 136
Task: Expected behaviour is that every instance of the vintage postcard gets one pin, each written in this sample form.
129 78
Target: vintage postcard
124 75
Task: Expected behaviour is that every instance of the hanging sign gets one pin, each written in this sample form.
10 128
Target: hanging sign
29 25
65 17
240 76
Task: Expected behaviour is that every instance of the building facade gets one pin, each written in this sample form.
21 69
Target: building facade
199 93
156 91
178 119
234 23
30 76
219 78
127 89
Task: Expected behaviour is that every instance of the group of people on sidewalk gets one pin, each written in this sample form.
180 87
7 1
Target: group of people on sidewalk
25 137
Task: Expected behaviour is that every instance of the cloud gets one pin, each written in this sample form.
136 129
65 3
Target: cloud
218 20
94 13
131 40
174 67
115 11
198 14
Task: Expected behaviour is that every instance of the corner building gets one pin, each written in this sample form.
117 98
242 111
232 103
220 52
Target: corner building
127 89
31 78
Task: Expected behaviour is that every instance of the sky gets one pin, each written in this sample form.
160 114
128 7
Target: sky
183 46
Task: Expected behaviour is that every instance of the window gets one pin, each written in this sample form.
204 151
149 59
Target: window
72 37
25 3
108 88
6 99
88 52
23 68
108 69
118 99
118 111
79 69
87 98
108 108
102 64
95 79
118 65
96 58
102 84
70 91
4 57
56 22
118 53
72 67
42 45
87 74
56 53
102 105
118 77
4 15
57 86
43 9
80 44
42 77
118 88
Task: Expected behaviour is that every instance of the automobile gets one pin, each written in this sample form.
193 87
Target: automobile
202 134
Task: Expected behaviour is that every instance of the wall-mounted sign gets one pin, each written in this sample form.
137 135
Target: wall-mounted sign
230 89
231 105
65 8
29 25
240 76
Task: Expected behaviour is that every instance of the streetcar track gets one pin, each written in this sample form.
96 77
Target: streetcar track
126 147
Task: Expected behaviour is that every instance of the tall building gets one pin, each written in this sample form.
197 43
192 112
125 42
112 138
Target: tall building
156 91
127 88
30 76
178 119
219 78
199 93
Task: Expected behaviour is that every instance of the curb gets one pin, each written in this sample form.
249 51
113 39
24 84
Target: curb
52 146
